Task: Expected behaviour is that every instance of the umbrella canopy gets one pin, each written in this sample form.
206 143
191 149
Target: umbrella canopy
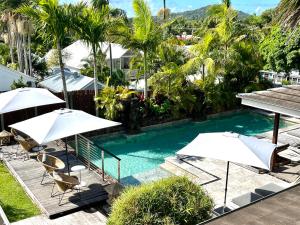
23 98
231 147
60 124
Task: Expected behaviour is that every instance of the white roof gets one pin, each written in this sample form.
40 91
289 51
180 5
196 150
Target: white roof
8 76
231 147
60 124
23 98
74 81
79 50
138 85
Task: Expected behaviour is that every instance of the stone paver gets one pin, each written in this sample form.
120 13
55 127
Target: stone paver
79 218
213 173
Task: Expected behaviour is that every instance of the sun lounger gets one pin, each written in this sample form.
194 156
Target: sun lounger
268 189
291 153
246 199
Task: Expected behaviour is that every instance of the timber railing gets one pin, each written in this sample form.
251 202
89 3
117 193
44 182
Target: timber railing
94 156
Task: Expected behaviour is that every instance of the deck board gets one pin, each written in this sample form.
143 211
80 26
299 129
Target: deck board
29 174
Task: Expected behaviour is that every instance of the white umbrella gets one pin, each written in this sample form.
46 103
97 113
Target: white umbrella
61 123
23 98
231 147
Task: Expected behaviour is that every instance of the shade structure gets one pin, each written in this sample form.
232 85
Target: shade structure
60 124
23 98
231 147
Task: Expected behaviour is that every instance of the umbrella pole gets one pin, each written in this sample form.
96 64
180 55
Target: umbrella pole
2 122
66 146
226 184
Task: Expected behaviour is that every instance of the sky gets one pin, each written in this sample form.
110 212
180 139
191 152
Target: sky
248 6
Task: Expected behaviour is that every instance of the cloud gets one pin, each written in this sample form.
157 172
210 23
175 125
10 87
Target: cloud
259 10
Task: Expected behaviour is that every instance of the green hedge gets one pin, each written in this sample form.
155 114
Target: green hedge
171 201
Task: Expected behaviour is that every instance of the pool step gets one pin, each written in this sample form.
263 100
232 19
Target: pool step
177 167
145 177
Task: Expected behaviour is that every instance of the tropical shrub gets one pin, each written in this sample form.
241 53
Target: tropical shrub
20 83
174 200
110 100
4 54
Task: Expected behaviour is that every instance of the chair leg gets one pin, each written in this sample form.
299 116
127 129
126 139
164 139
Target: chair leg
44 174
52 195
61 198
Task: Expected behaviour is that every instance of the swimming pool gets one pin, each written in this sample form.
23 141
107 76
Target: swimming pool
147 150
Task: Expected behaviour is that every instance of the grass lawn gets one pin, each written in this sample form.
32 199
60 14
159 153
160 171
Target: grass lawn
13 199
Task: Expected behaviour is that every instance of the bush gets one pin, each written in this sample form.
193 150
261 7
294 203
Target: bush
171 201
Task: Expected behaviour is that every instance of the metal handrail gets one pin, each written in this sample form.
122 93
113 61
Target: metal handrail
91 143
106 151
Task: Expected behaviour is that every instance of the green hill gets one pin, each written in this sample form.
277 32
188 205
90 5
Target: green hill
201 13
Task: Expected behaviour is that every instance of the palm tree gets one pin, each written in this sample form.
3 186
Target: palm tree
143 36
288 12
165 9
98 4
54 19
113 13
91 27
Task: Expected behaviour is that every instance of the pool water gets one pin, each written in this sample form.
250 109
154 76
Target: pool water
147 150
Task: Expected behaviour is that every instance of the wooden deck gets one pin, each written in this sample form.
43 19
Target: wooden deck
29 174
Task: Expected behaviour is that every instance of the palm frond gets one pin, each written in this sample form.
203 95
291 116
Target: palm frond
288 13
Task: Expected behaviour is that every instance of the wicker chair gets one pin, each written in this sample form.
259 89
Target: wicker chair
26 145
50 163
64 183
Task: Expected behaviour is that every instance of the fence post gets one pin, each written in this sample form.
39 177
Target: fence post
119 176
102 157
2 122
89 155
76 145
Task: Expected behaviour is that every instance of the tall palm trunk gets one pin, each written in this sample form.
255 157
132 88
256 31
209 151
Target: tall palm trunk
164 9
145 75
29 55
20 54
25 53
110 61
95 78
11 44
62 74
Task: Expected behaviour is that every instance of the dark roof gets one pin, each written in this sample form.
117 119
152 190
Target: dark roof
284 100
281 208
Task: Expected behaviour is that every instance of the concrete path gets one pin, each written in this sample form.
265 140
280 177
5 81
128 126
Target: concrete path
91 217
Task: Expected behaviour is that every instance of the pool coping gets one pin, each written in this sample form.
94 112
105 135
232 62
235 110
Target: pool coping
170 123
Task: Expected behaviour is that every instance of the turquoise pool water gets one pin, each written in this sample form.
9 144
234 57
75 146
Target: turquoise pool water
147 150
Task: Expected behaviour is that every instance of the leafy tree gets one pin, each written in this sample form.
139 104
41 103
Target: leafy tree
11 4
227 56
54 20
281 51
98 4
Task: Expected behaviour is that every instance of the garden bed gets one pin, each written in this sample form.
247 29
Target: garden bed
13 199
